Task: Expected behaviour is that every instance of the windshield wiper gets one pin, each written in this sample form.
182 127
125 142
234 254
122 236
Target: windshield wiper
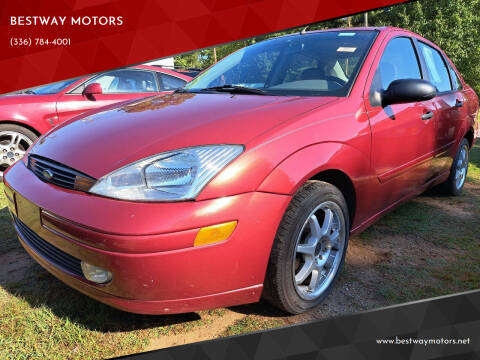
236 89
29 92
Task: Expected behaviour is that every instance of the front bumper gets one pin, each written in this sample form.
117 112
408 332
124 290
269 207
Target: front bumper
148 247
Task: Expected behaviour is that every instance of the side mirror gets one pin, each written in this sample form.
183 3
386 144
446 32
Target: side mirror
92 89
408 91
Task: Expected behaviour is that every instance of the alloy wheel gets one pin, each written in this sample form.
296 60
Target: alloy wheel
318 250
13 146
461 167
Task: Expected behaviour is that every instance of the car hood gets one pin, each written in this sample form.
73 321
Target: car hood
100 142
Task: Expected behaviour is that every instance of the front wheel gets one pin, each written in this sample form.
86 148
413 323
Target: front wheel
14 142
309 248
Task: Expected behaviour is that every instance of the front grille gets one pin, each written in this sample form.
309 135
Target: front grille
49 252
53 172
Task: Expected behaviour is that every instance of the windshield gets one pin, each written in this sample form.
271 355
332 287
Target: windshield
311 64
52 88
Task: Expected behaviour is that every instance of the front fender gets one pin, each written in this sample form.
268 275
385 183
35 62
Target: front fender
39 129
304 164
291 173
40 115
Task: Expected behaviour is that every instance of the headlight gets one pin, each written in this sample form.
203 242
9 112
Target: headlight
170 176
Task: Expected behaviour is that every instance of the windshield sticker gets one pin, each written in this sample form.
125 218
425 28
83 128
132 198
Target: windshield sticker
347 34
346 49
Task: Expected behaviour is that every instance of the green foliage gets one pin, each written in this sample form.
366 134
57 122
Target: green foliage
204 58
454 25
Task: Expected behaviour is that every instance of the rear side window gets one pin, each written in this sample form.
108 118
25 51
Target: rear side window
456 83
399 61
168 82
436 68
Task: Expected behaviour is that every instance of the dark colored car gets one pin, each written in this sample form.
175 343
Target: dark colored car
250 180
26 115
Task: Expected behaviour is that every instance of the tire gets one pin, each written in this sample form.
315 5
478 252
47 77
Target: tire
295 248
458 172
14 142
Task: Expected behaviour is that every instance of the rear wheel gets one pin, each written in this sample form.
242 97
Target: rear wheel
458 172
14 142
309 248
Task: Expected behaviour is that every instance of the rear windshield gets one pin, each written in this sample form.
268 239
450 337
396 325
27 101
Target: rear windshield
312 64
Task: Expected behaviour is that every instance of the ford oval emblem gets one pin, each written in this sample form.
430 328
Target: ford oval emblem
47 174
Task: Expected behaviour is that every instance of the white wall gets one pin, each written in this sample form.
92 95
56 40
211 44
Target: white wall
168 62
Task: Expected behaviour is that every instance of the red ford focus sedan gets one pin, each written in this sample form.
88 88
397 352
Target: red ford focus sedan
27 114
250 180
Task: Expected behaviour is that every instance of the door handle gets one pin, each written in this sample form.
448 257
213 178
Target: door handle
427 115
458 103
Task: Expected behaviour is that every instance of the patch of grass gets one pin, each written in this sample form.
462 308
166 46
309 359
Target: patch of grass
408 283
474 168
43 318
451 223
8 240
463 273
250 324
213 312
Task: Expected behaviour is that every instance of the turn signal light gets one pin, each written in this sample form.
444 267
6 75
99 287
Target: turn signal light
214 233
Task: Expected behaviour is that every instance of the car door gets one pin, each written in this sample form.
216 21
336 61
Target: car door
117 85
403 135
451 113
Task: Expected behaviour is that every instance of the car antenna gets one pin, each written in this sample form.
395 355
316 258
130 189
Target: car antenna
304 30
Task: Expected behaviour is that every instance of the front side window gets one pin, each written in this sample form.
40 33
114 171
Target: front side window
436 68
398 61
312 64
168 82
126 81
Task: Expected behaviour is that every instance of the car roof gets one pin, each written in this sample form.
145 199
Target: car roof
382 29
